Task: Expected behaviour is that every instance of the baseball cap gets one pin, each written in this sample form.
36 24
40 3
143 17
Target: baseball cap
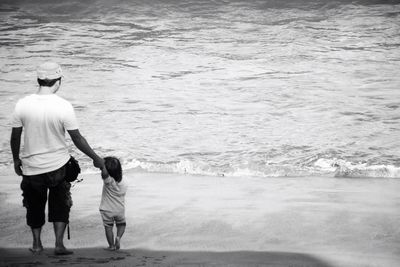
49 71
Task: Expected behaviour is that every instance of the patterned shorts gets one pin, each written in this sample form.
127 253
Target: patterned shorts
110 217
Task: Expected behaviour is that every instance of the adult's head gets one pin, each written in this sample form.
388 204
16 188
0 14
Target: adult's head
49 75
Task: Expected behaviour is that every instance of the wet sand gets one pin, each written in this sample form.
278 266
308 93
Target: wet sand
184 220
135 257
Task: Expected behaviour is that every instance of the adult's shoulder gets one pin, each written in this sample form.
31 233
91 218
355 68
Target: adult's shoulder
24 99
63 101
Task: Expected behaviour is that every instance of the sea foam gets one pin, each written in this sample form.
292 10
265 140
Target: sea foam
322 168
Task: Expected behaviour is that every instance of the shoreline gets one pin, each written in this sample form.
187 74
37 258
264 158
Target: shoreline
139 257
211 220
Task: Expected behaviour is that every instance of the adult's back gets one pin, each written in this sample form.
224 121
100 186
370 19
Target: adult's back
45 119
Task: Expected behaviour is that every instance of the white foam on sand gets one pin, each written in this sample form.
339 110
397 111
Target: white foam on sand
349 221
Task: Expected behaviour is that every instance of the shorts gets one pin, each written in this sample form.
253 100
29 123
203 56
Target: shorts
34 192
110 217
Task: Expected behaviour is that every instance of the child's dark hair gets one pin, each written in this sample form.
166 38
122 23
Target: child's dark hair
114 168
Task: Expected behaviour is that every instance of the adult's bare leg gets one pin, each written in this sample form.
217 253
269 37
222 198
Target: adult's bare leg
59 229
37 242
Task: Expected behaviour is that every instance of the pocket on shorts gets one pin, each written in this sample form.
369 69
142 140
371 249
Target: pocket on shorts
25 186
62 194
69 201
68 196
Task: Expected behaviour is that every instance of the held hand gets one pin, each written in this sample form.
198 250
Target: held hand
17 167
104 173
99 163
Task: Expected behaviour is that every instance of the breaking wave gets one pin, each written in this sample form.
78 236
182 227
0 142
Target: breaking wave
321 167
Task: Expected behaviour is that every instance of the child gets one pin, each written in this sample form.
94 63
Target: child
112 206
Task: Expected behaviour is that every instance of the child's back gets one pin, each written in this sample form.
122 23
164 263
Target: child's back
112 205
113 196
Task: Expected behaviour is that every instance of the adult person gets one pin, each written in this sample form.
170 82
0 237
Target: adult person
45 117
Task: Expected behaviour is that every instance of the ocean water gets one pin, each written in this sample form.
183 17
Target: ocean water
222 88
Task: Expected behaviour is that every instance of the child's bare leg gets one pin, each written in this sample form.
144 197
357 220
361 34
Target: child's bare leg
110 237
120 232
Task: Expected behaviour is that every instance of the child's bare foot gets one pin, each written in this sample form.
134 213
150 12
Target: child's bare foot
117 243
110 248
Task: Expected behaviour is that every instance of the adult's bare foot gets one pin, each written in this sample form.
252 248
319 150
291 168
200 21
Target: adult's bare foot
62 251
36 250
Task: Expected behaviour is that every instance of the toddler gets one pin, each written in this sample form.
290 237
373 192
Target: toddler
112 206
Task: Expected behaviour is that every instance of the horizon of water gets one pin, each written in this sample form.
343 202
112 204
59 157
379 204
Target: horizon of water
222 88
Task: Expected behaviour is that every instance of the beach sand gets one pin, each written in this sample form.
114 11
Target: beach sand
135 257
185 220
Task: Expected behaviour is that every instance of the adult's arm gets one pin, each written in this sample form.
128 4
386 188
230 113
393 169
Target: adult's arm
15 143
81 143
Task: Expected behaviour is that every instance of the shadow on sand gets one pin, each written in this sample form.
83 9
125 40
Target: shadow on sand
137 257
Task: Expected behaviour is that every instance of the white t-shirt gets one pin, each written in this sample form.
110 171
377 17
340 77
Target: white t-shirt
113 196
44 119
